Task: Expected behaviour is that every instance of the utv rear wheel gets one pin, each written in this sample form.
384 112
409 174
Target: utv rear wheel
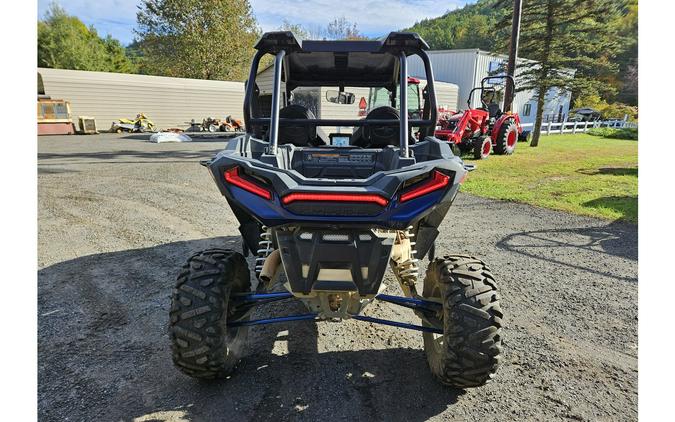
467 353
482 147
506 138
201 343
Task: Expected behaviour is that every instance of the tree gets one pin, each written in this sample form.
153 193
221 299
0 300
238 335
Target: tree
627 59
134 53
117 57
473 26
295 28
64 42
202 39
337 29
341 29
621 79
485 24
559 35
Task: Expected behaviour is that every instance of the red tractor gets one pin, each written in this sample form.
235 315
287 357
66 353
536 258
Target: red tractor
484 129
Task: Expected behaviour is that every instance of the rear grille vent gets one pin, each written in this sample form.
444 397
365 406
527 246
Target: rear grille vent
334 209
335 237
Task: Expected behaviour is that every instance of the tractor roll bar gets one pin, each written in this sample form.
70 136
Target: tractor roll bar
274 121
482 87
508 78
482 90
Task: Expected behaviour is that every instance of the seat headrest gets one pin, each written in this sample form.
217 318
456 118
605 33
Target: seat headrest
381 136
296 135
494 110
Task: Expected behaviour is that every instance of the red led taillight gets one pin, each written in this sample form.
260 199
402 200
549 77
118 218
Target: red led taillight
435 182
232 177
334 197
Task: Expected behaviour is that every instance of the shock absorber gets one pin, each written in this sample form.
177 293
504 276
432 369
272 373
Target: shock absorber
264 249
406 268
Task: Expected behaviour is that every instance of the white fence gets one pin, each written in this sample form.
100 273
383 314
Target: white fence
578 127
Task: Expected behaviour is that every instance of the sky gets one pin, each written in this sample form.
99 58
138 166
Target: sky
373 18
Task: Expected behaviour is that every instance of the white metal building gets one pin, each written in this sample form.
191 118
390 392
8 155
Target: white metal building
168 102
467 67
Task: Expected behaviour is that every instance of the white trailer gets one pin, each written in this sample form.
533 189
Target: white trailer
467 67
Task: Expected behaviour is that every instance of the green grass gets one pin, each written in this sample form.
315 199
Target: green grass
582 174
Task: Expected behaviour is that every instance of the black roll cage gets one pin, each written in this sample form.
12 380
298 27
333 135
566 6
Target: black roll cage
401 44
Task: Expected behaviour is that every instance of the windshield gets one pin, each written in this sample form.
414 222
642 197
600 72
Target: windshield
379 97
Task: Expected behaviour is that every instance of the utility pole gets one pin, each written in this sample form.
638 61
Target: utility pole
509 91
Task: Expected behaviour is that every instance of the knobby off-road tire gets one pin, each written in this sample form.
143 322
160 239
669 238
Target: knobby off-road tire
468 352
507 138
482 147
201 343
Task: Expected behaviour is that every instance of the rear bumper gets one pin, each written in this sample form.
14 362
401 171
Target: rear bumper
395 215
317 259
281 183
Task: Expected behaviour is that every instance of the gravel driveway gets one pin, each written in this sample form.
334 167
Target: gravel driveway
119 216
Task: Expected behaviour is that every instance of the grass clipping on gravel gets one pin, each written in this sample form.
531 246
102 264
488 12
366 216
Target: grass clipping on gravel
582 174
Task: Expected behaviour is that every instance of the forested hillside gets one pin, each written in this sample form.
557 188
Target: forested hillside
473 26
485 24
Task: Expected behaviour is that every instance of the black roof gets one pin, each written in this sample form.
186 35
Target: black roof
274 41
341 63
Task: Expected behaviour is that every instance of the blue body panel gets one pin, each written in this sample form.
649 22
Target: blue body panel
395 215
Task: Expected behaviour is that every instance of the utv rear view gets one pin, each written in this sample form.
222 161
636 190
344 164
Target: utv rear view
326 204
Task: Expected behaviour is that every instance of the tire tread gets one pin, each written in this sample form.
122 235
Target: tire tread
472 322
501 143
198 315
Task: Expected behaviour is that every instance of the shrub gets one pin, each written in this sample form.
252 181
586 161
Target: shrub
608 111
608 132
